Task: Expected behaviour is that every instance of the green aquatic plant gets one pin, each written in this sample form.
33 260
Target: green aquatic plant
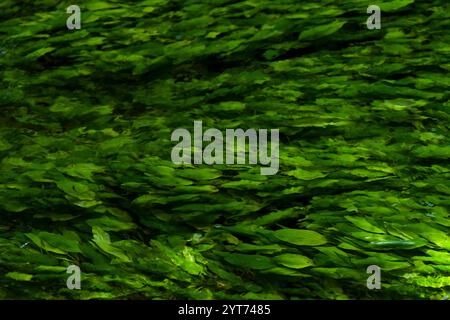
86 176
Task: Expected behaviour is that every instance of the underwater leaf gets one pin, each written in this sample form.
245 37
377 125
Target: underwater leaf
300 237
295 261
322 30
19 276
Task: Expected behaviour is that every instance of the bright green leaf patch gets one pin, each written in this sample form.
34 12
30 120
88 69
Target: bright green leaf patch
321 31
19 276
295 261
300 237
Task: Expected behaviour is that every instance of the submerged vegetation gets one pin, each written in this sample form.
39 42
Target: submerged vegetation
86 176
